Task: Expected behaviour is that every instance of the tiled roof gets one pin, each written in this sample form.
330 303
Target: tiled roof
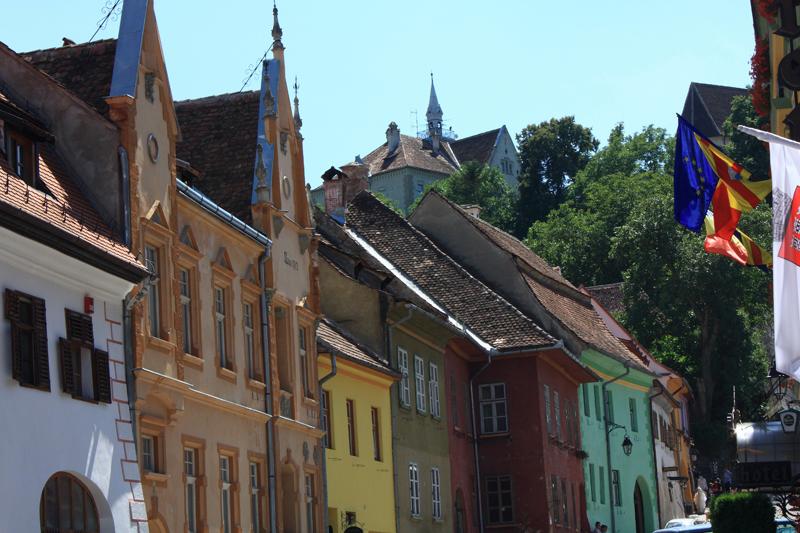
332 337
475 147
219 139
609 296
485 313
65 210
84 69
412 152
707 106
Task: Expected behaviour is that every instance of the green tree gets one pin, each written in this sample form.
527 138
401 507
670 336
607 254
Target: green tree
385 200
551 154
475 183
745 149
743 511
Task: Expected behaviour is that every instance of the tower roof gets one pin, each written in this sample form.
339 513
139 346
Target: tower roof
434 109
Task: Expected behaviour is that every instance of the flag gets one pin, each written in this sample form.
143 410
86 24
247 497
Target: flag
785 165
705 176
738 247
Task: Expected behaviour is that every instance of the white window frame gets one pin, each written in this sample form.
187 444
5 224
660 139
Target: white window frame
557 413
184 282
226 507
489 398
413 485
302 341
419 383
249 339
149 453
190 496
255 497
309 500
324 402
436 494
151 258
220 323
433 385
548 419
405 387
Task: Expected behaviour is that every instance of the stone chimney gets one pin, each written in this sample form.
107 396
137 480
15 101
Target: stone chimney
472 210
342 185
392 137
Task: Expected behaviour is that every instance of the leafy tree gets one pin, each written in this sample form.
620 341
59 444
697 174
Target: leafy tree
745 149
475 183
551 154
385 200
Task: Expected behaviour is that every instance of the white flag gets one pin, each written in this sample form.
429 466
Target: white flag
784 156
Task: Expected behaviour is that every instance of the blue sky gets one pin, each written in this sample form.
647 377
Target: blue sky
361 64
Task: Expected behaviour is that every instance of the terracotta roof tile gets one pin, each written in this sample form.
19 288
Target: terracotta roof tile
412 152
488 315
84 69
218 138
475 147
332 337
609 296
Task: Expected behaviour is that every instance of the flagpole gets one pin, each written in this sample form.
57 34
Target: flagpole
768 137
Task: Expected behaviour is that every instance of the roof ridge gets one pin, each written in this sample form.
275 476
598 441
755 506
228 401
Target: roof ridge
718 85
222 96
70 47
495 130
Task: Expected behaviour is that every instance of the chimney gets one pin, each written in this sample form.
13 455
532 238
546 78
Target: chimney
342 185
392 137
473 210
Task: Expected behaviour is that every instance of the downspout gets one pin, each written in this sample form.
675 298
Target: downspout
394 418
322 381
653 440
265 298
608 445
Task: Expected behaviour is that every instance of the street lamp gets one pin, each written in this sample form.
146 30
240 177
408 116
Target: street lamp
627 445
778 383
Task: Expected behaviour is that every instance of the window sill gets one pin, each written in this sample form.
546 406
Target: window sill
156 478
193 361
226 374
87 400
35 387
310 401
160 344
488 436
256 384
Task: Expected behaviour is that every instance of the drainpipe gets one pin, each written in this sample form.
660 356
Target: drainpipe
322 381
127 328
608 445
653 440
266 296
409 313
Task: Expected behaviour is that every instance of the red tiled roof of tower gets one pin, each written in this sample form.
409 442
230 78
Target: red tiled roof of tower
488 315
219 138
331 336
412 152
476 148
83 69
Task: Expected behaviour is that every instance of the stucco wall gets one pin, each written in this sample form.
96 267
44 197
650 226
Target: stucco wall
402 186
51 432
505 149
670 493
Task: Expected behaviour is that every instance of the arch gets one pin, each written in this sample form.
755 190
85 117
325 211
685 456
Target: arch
87 510
642 507
289 499
157 524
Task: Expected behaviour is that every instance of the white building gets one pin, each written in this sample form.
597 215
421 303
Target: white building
67 459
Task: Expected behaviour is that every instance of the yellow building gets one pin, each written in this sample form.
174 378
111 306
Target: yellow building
356 417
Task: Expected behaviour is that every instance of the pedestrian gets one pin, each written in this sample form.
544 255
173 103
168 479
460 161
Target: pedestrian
596 527
702 483
727 480
716 488
603 528
700 501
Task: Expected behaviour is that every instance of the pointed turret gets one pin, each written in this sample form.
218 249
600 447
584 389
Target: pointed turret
277 32
298 122
434 116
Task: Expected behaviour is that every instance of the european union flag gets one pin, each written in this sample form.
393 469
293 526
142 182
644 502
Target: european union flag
695 179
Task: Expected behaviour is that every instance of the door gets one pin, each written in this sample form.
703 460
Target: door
638 506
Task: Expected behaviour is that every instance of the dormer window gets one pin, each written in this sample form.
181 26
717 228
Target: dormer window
20 154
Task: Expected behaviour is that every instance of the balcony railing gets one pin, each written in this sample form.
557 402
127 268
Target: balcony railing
286 404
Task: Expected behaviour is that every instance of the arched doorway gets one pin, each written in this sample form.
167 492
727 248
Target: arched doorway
289 503
638 507
643 507
67 506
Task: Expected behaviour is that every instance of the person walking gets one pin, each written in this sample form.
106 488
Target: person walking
700 499
596 527
727 479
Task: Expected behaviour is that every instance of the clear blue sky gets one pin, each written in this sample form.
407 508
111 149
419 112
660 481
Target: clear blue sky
362 63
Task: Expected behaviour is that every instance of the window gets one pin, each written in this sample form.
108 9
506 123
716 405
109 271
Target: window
557 413
419 382
574 506
310 522
21 157
617 496
499 500
84 370
547 418
66 505
592 489
186 307
221 327
634 416
420 188
305 368
282 339
351 427
598 412
153 264
453 401
564 503
256 490
494 417
610 406
226 506
602 480
376 434
433 385
250 351
149 453
325 418
587 411
555 502
436 494
413 485
190 472
404 388
29 359
567 422
654 424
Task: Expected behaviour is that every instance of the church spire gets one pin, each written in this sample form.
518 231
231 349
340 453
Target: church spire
277 32
298 122
434 116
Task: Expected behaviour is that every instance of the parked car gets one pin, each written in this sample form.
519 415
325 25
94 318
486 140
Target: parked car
782 525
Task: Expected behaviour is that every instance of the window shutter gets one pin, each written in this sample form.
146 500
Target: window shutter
12 314
67 366
102 380
79 327
40 344
12 305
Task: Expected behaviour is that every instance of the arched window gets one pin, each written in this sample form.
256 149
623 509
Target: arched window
67 506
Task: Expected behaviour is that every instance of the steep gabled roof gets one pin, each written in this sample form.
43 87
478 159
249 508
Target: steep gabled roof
83 69
491 318
331 337
609 296
707 106
476 148
219 140
412 152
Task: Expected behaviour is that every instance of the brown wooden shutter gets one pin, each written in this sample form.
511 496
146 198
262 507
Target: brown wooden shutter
67 366
42 364
12 305
79 327
102 379
12 314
